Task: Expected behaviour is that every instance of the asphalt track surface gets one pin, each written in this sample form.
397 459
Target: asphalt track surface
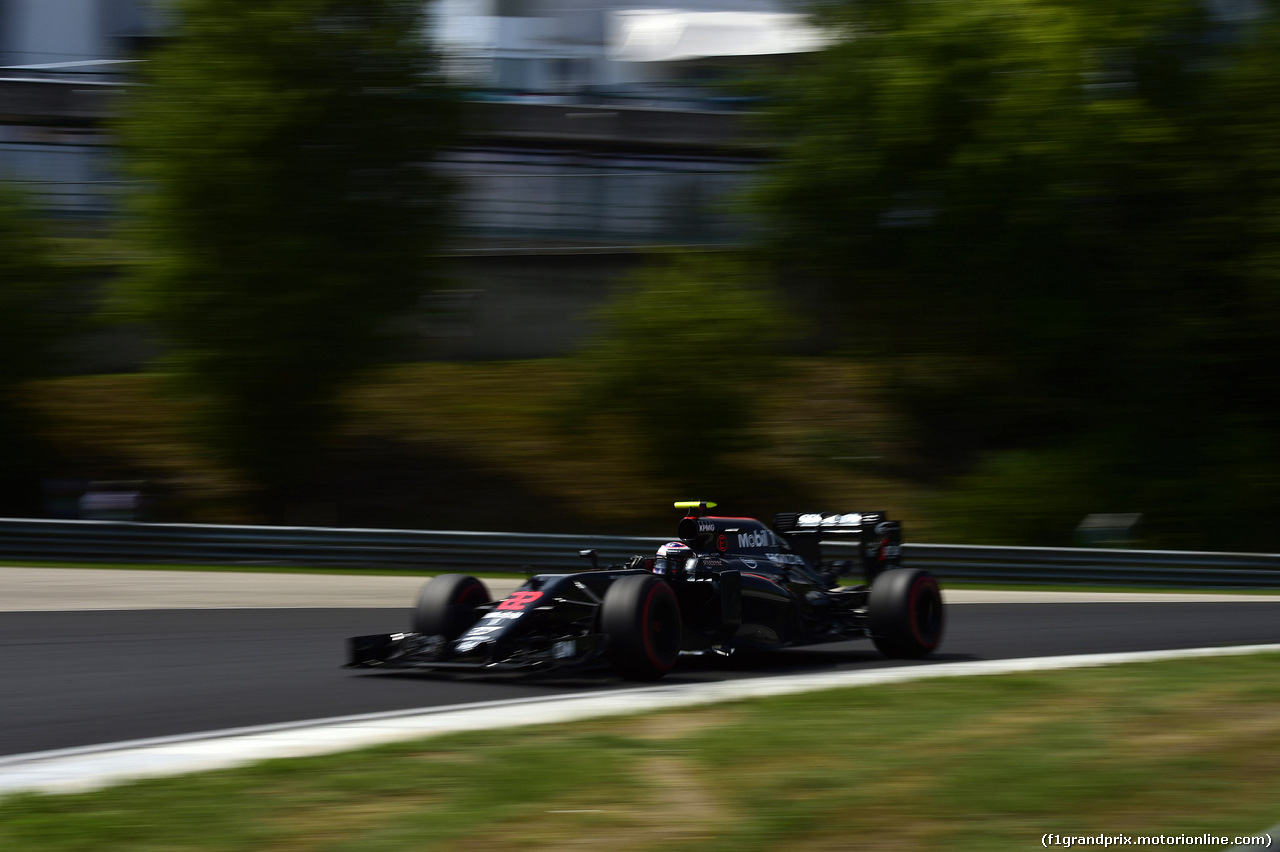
84 677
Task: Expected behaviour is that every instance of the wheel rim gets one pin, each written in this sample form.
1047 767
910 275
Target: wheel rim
471 595
926 612
661 629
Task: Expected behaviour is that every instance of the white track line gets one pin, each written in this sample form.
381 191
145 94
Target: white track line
71 770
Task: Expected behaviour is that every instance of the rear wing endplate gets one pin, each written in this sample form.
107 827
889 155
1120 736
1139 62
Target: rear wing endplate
880 539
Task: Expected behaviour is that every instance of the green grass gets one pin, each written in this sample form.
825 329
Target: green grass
375 571
1096 587
985 763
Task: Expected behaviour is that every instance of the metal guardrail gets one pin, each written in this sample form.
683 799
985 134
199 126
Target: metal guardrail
432 551
1097 566
120 541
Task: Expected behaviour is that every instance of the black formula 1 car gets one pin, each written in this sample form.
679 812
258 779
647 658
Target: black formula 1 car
728 584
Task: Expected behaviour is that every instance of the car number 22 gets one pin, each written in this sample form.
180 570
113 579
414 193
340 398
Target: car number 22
519 601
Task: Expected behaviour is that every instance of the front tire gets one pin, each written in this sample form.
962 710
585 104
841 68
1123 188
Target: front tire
641 617
447 605
905 613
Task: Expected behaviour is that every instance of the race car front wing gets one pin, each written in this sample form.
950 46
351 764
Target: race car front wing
430 653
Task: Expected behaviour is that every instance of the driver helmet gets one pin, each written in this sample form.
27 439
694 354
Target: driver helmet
672 557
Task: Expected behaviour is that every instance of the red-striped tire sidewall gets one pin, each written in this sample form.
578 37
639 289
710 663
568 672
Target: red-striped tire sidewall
922 584
656 590
906 615
641 617
443 604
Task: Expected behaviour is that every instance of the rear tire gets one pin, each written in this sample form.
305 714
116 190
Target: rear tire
905 612
641 617
447 605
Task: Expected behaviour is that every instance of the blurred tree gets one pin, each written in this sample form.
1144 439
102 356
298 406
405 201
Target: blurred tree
1058 221
286 210
34 319
680 358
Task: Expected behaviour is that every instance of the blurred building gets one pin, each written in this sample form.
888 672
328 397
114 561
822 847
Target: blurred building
598 127
59 61
646 50
66 32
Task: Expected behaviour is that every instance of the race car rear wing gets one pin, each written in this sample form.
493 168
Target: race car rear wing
880 539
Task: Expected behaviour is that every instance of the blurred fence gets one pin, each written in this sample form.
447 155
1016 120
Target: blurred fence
605 171
434 551
63 179
626 202
611 206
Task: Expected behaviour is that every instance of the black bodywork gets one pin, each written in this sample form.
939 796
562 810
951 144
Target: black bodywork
741 584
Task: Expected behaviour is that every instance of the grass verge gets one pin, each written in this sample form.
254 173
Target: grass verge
516 575
984 763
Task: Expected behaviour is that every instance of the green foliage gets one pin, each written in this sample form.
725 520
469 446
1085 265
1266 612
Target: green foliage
1055 219
34 318
287 211
31 285
1016 496
681 357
